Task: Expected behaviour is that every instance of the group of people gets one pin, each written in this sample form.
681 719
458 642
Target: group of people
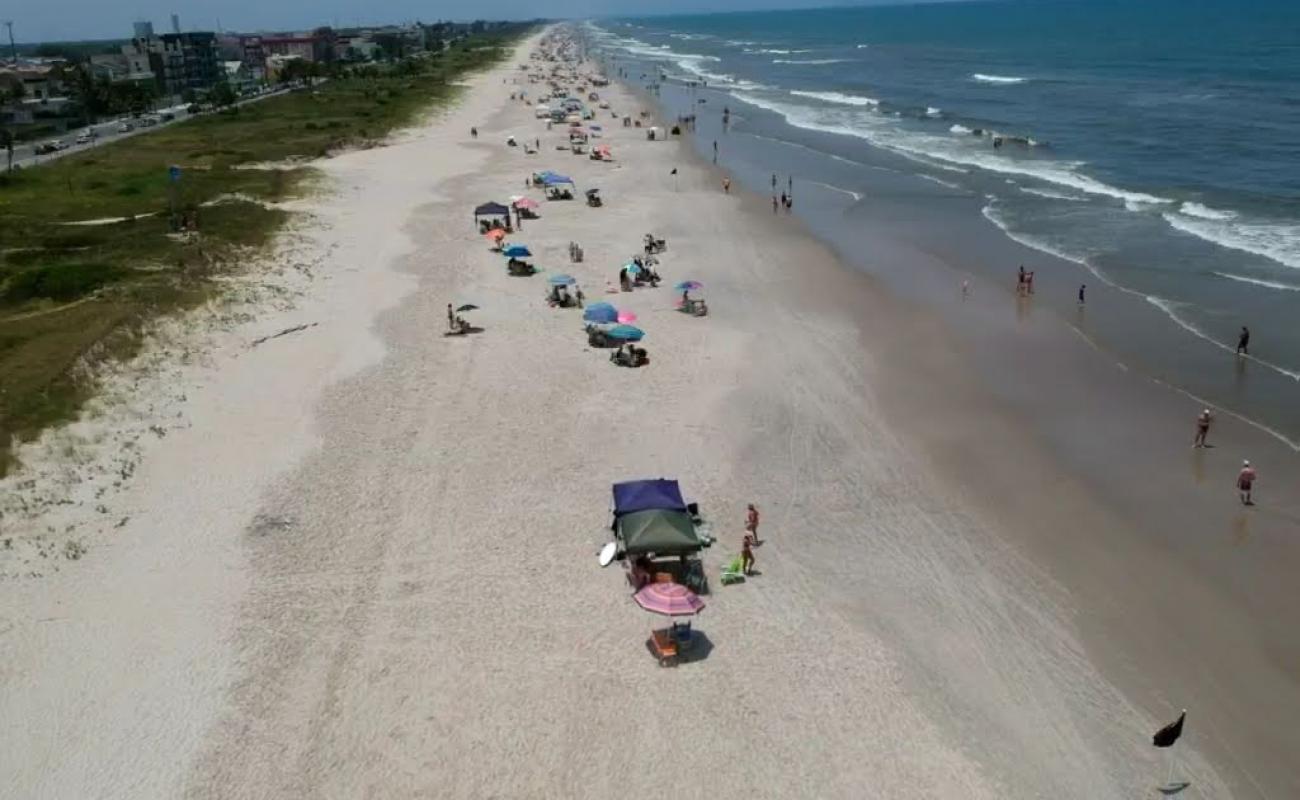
644 273
750 541
1245 478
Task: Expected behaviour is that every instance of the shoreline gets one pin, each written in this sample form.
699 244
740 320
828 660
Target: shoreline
1082 418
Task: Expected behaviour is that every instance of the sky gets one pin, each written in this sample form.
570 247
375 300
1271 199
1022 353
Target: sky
62 20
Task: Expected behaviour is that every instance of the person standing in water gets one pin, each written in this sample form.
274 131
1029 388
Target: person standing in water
1243 341
1203 421
1083 287
1245 481
715 151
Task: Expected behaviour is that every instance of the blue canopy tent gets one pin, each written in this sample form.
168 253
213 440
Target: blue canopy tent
552 179
658 494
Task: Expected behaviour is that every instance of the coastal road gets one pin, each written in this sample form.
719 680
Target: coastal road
25 155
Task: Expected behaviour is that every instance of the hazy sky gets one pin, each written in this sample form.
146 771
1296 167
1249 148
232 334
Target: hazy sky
46 20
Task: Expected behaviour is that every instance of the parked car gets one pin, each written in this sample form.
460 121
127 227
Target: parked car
168 116
85 137
44 148
148 122
125 127
194 108
59 144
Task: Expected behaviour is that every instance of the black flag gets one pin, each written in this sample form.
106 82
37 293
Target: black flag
674 172
1166 736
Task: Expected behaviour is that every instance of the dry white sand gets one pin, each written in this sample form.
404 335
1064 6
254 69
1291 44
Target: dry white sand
363 562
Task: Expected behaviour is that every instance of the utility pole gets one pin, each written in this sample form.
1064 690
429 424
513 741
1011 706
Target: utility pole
13 48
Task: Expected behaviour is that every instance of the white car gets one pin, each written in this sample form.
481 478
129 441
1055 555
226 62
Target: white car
86 137
125 127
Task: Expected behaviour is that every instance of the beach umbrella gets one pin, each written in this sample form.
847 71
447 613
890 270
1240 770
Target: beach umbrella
468 307
625 333
600 313
668 599
632 268
626 316
562 280
689 286
525 202
516 251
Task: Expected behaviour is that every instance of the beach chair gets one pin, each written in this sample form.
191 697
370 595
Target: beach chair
664 647
733 572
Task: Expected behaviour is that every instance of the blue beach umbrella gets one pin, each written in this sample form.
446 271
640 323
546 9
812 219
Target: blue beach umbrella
631 268
562 280
600 313
516 251
625 333
689 286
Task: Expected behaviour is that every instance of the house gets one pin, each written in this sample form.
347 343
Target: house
177 61
241 78
308 47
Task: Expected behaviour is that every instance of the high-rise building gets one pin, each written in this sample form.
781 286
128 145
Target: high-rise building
178 61
144 30
176 23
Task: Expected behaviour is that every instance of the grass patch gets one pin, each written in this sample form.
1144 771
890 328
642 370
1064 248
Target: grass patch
73 295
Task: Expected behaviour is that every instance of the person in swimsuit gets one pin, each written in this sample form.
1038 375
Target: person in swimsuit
1246 480
1243 341
726 185
747 556
1202 427
751 523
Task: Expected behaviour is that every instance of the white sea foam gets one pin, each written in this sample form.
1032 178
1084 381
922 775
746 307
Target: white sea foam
960 130
863 46
1286 287
1277 241
1048 193
1000 79
940 181
837 97
775 51
810 60
931 111
944 151
1204 212
855 195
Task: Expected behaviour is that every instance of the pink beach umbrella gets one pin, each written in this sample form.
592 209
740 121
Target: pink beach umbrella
626 316
669 599
525 202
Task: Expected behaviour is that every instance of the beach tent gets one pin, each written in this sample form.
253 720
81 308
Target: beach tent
551 179
658 531
492 210
655 493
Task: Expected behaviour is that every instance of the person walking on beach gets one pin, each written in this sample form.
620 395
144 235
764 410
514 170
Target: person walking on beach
1083 287
1020 281
747 555
751 522
1243 341
965 289
726 185
1203 420
773 204
451 318
715 151
1245 480
473 133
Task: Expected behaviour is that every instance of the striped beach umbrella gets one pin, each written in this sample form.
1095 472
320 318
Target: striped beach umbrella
668 599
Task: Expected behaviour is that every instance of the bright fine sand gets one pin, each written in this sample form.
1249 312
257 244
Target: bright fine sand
359 559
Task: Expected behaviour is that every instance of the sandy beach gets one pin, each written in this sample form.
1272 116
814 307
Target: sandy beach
360 559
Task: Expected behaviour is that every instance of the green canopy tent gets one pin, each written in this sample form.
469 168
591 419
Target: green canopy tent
658 531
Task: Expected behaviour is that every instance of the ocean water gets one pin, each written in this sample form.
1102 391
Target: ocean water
1156 144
